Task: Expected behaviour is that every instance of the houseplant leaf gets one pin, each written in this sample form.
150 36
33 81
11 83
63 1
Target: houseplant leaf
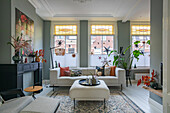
126 49
10 44
112 52
137 42
148 42
115 60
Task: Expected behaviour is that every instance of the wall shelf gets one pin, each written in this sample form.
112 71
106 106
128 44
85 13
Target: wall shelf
157 92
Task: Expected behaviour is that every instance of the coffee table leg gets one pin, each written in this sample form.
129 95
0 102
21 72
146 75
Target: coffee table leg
74 103
104 103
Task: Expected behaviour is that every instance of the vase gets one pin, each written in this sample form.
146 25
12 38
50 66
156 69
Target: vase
16 57
37 59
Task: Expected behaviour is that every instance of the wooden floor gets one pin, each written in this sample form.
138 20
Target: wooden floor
137 94
140 97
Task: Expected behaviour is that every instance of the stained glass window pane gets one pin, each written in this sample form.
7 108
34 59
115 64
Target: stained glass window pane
102 30
108 43
65 30
96 44
71 44
140 30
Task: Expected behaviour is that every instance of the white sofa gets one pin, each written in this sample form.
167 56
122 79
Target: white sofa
56 80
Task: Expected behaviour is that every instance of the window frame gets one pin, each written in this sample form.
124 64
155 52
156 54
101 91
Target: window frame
115 44
53 23
137 23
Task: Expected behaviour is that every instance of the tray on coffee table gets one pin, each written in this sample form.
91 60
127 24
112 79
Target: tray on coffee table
84 83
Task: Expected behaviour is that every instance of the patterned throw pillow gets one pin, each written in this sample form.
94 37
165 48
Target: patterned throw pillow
100 70
76 73
107 71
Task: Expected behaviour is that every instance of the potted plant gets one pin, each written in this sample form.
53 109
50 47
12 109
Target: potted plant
149 81
126 62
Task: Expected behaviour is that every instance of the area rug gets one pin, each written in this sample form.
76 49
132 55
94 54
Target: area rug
117 103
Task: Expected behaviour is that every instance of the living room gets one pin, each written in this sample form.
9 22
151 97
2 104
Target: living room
84 56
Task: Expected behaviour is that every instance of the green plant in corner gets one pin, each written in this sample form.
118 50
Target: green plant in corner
126 63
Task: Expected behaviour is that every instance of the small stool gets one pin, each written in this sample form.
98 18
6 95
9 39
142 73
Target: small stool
33 89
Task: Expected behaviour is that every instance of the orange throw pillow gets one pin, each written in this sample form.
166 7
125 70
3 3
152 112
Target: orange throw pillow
112 71
62 71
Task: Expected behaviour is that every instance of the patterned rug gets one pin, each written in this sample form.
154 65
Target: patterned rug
117 103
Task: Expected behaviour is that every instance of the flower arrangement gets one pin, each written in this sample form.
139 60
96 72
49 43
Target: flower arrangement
39 56
147 79
19 43
105 61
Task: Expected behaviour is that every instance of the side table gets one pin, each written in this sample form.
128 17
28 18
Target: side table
33 89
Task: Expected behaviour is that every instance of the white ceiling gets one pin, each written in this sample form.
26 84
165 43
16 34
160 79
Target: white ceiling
94 10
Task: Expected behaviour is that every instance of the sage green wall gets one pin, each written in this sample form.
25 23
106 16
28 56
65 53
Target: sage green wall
83 43
156 16
5 31
46 46
123 35
7 27
26 7
156 34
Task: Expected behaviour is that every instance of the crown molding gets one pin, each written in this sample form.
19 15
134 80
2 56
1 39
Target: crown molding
36 3
84 15
45 3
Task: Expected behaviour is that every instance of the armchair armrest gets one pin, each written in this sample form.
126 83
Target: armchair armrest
121 74
12 93
54 75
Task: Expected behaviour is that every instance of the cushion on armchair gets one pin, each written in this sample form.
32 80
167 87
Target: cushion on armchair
42 105
15 105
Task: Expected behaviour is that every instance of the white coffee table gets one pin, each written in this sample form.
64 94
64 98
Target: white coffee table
89 93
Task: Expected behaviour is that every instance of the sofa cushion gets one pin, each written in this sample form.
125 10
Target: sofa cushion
42 105
74 78
100 71
67 73
112 71
76 73
107 71
107 77
62 70
15 105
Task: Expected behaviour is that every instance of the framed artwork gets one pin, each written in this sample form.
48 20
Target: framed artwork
24 25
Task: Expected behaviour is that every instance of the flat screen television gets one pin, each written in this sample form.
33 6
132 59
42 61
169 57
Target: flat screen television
161 73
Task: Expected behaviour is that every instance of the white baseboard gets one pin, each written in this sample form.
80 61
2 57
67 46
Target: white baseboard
134 81
156 104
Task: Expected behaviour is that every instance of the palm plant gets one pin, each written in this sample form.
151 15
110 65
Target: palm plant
126 63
